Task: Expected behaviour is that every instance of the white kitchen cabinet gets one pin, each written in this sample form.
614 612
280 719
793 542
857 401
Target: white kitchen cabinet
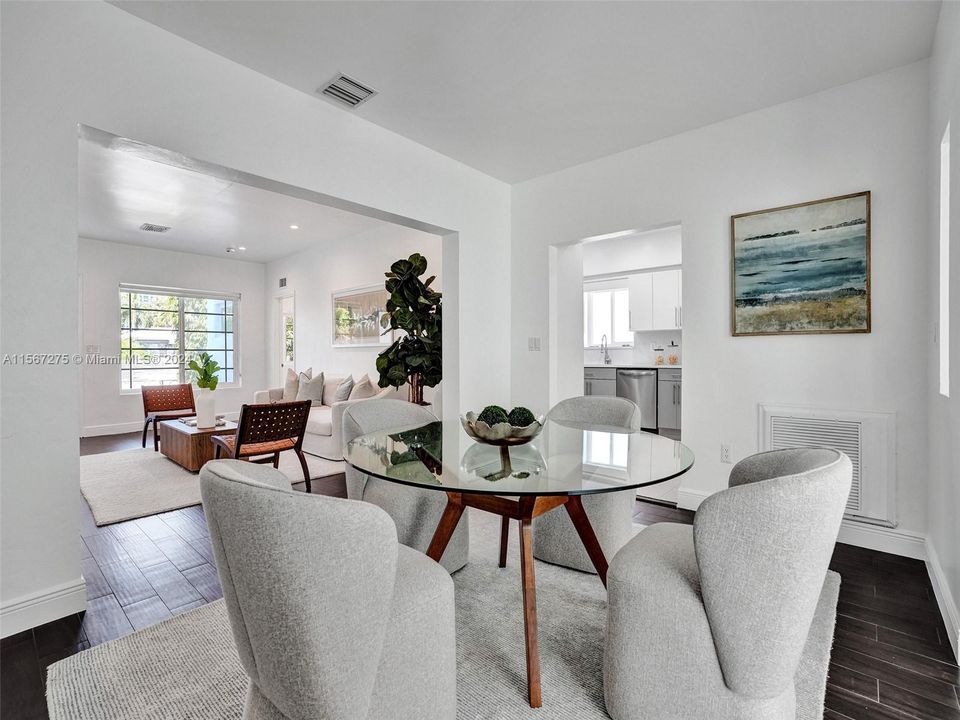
641 302
666 310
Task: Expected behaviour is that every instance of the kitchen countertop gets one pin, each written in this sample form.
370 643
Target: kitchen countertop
634 366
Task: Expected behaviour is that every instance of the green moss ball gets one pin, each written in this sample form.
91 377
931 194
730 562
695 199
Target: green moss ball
521 417
493 414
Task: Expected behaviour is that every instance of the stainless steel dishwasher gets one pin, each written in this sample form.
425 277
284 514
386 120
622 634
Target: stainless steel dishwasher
641 387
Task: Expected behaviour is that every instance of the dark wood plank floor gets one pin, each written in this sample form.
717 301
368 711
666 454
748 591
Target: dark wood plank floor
891 659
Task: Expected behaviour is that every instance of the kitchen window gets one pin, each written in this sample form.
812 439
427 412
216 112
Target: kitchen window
163 329
606 311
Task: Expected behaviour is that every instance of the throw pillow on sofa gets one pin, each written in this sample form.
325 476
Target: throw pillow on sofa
343 389
311 389
292 383
362 389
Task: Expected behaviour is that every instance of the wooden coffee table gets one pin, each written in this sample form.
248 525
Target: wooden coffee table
188 446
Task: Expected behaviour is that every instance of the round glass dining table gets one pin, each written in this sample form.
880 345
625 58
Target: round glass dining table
561 465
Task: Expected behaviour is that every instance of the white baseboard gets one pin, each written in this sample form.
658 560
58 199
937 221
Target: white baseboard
41 607
945 599
114 429
884 539
689 499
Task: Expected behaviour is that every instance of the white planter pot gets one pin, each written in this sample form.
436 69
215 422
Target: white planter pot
206 408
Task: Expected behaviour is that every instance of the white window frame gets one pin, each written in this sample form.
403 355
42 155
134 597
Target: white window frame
186 293
591 286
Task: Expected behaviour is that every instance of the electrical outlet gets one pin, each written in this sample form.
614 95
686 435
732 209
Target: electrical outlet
725 453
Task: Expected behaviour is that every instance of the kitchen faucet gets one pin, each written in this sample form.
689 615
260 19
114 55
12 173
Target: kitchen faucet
603 350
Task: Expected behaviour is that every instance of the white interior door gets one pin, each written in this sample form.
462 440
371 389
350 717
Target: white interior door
287 336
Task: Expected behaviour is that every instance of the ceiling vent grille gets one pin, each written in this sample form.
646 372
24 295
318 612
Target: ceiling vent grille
150 227
347 91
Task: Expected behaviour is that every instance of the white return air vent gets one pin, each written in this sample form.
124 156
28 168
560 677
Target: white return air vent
868 438
347 91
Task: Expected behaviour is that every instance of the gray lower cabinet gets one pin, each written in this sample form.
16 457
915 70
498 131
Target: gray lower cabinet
600 381
669 398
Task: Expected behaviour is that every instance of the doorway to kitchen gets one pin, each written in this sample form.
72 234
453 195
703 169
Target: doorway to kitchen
633 331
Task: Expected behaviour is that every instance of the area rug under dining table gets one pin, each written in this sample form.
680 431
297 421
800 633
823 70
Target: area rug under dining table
187 667
135 483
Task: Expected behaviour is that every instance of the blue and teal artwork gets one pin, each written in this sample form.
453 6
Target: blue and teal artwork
803 268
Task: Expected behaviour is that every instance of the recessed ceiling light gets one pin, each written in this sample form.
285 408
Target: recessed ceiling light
241 248
294 227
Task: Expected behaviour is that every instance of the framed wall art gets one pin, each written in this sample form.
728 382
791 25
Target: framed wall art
356 317
802 268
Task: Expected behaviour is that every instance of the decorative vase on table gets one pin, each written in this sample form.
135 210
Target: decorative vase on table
205 370
416 357
206 408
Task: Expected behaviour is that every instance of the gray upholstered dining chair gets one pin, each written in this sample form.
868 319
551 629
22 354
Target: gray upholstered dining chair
331 617
732 618
416 511
555 539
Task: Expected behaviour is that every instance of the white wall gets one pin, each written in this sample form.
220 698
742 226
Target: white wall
944 413
315 274
92 63
869 135
103 266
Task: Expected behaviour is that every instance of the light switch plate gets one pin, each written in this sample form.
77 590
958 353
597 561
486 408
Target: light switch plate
533 344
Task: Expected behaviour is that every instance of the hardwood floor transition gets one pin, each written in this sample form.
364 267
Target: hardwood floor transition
891 658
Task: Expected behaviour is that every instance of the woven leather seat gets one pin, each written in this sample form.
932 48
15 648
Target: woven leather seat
266 430
263 448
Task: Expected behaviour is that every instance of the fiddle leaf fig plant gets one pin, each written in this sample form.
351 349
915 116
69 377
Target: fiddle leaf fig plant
205 368
415 308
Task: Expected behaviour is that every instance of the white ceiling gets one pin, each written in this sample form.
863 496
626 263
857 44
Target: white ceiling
520 89
122 188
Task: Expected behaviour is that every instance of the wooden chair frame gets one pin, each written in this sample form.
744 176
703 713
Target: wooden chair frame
171 401
292 418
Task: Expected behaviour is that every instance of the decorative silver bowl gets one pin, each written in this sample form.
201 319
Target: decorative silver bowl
503 434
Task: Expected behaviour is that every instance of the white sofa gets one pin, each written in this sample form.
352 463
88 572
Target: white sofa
324 436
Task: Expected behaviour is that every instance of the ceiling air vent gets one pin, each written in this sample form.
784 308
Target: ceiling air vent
347 91
150 227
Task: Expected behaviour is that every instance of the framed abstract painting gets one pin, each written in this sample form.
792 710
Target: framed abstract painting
802 268
356 317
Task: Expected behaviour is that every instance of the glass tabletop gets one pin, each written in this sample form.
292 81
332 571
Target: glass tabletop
564 459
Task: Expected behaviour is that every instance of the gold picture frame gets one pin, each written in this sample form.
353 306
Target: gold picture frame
802 269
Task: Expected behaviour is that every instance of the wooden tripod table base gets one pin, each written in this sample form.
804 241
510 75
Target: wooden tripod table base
523 509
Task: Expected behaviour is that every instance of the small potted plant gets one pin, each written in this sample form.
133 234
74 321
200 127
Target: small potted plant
205 369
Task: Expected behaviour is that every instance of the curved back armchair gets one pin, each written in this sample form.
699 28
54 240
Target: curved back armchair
555 539
416 511
597 410
748 592
330 616
773 531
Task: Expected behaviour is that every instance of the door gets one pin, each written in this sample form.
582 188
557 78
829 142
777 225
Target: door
287 336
